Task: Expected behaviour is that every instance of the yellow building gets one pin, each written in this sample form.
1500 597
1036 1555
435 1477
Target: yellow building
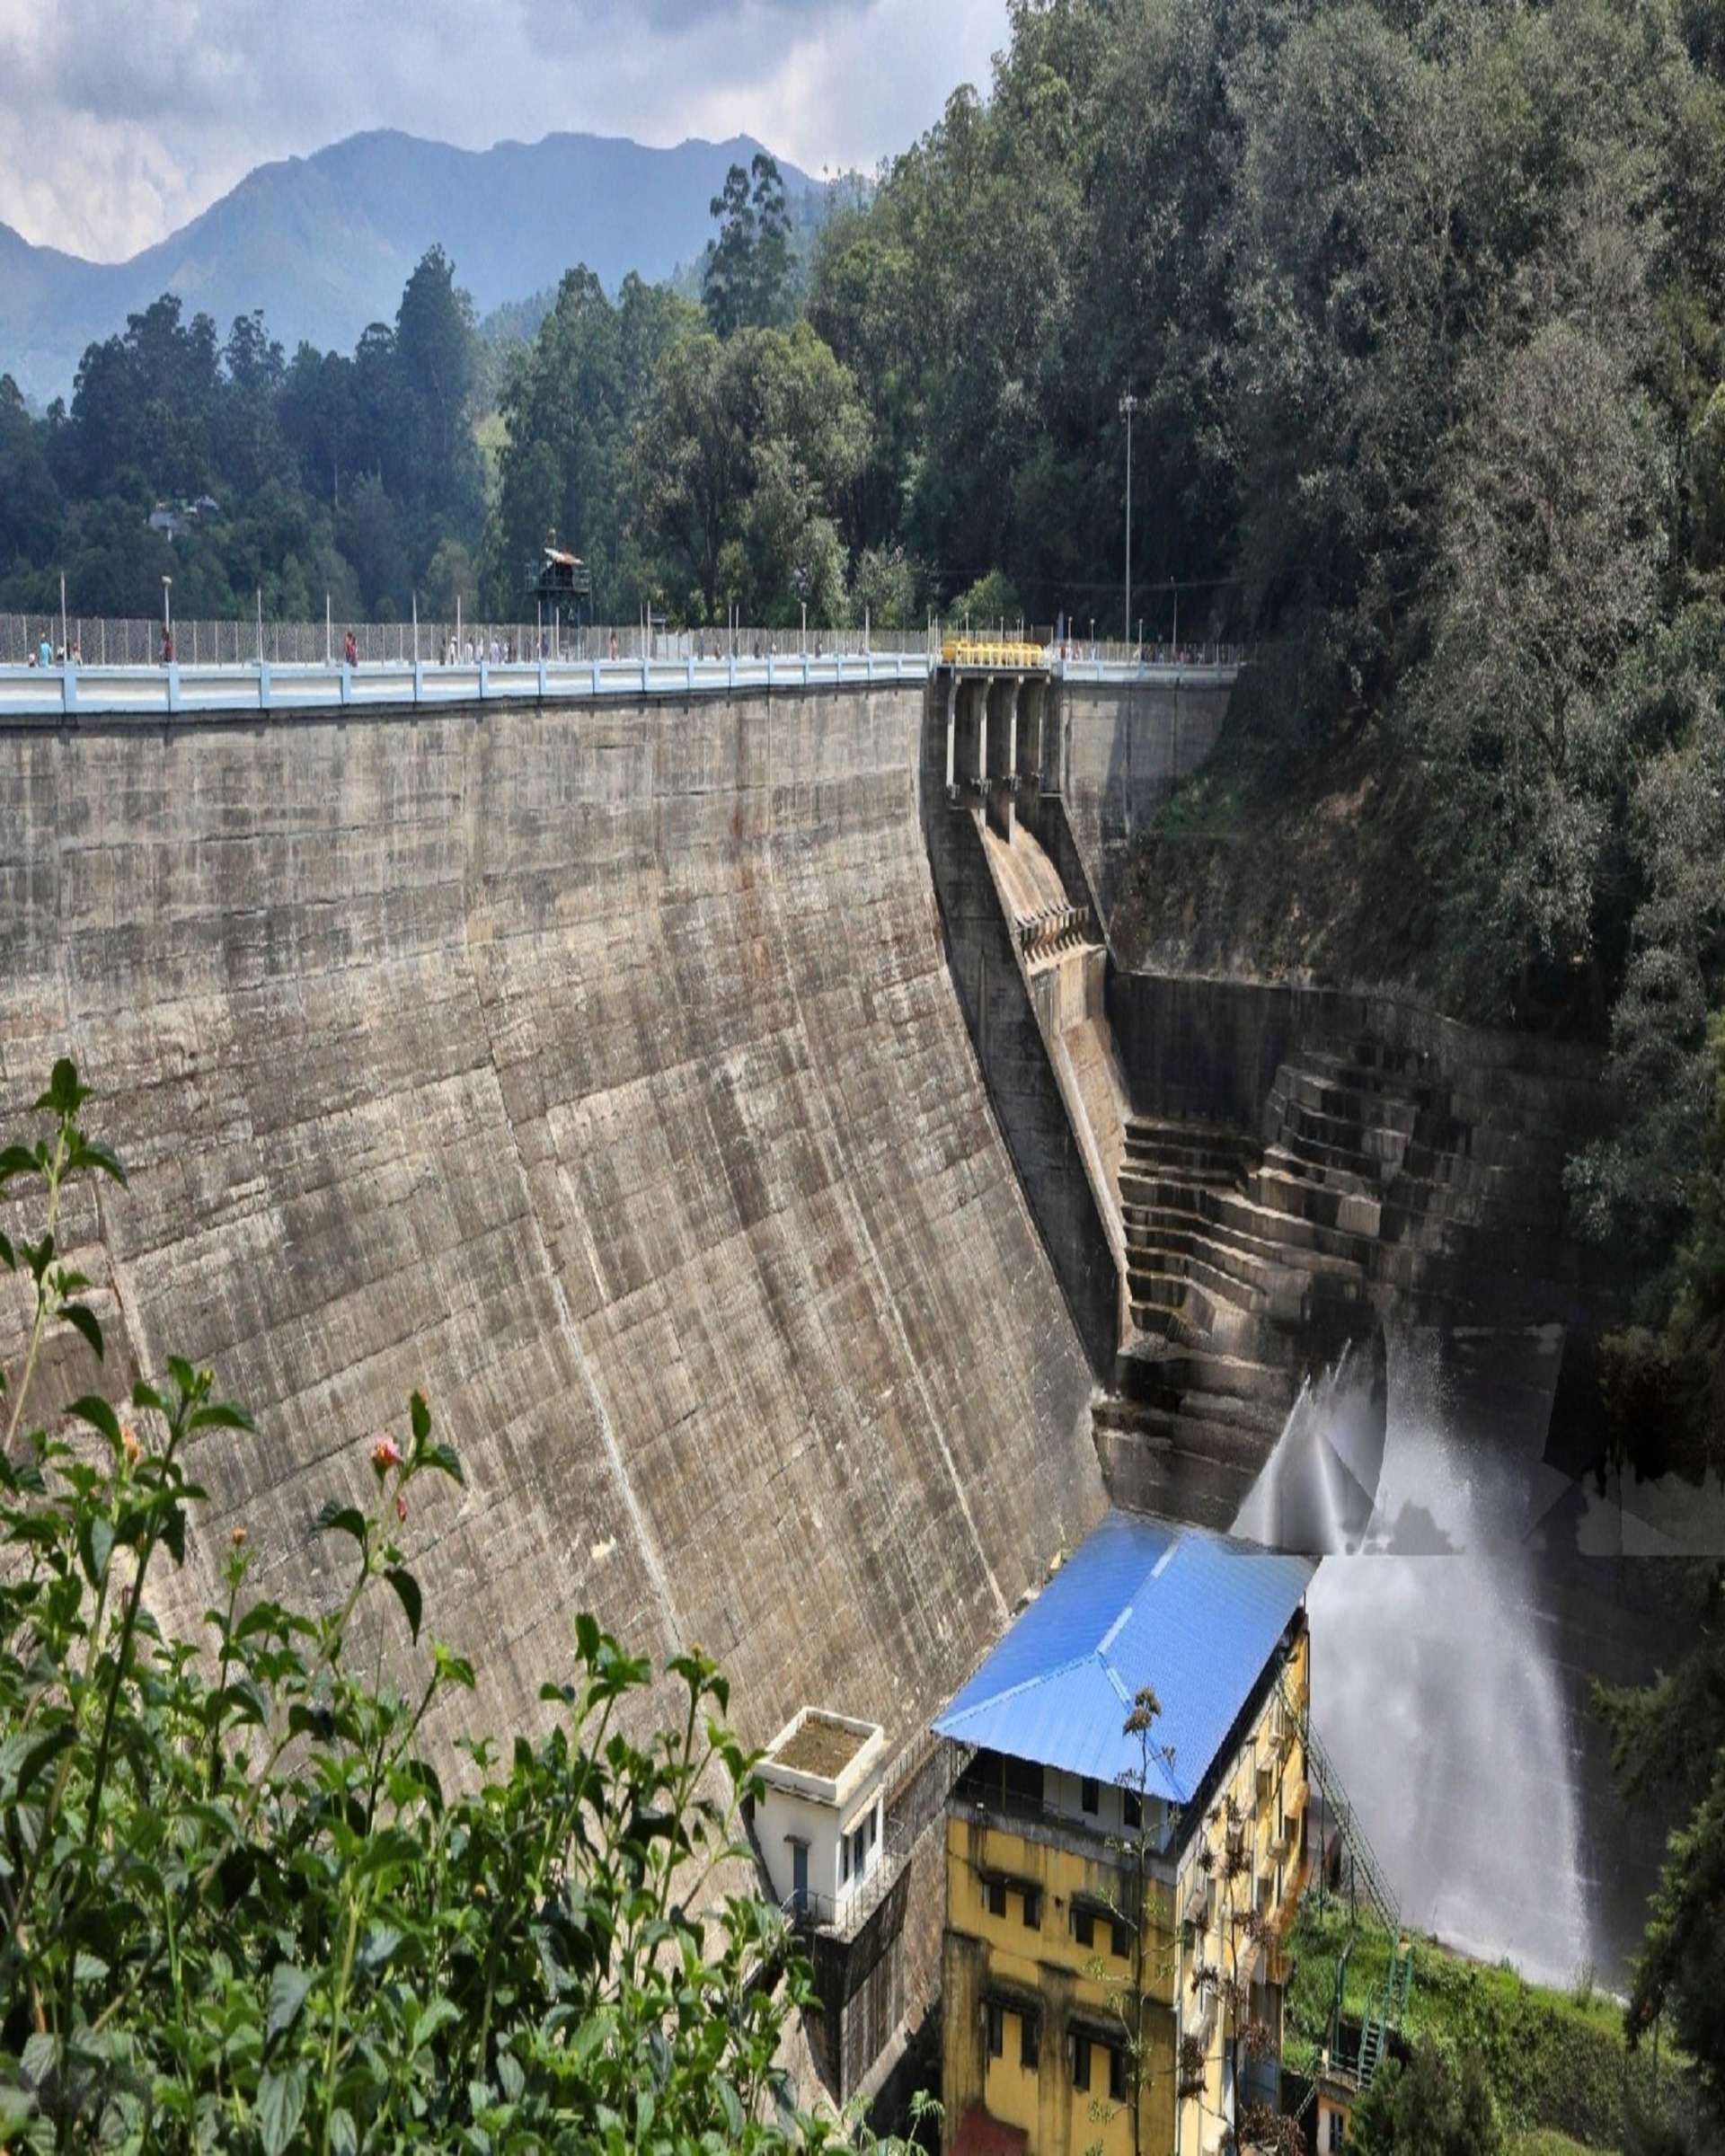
1124 1849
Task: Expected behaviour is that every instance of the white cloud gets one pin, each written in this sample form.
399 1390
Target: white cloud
117 125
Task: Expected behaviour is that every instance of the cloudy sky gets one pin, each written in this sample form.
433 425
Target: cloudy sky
119 121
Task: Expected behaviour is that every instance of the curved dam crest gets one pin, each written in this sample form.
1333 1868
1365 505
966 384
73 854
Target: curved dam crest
598 1070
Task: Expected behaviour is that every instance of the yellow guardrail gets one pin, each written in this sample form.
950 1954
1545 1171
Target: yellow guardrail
990 651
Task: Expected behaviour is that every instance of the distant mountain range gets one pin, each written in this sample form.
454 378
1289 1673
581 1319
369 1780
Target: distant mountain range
323 244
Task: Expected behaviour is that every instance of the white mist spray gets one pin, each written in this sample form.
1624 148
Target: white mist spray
1433 1686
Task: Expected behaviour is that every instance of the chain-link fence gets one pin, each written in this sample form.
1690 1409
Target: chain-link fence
104 641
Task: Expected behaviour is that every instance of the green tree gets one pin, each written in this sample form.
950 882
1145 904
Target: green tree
30 501
1633 1190
247 447
435 462
743 453
568 405
144 401
745 279
1668 1738
1428 2108
1549 547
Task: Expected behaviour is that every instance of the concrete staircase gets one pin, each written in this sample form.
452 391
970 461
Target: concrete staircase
1250 1259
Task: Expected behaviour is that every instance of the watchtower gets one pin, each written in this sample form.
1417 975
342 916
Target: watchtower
561 586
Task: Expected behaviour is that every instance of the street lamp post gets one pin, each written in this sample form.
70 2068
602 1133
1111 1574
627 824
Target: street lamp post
167 617
1128 405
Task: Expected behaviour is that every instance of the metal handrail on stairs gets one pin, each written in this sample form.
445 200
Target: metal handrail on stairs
1387 2001
1368 1873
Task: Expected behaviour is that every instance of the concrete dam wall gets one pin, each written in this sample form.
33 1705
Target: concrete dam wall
1122 751
599 1072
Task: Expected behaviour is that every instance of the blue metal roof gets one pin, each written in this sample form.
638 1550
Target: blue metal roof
1193 1615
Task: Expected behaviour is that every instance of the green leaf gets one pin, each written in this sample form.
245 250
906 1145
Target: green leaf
99 1416
16 1160
334 1517
17 2108
416 1775
420 1415
65 1095
39 2054
288 1984
452 1669
438 2014
220 1415
281 2100
83 1319
510 2075
42 1754
344 2135
378 1944
444 1460
95 1546
732 2108
90 1153
407 1592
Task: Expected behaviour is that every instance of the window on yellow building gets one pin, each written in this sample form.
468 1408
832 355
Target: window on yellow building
1089 1795
994 1897
995 2021
1084 1930
1119 1936
1032 1908
1030 2033
1338 2131
1087 2069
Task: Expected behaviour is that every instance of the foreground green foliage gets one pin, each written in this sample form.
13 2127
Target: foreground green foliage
242 1909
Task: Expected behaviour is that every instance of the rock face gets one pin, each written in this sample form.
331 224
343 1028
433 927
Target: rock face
599 1072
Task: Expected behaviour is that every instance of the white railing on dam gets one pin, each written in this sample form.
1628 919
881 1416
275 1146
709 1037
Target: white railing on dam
55 694
1122 673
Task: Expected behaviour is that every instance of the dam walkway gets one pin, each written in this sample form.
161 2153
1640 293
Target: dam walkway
55 694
